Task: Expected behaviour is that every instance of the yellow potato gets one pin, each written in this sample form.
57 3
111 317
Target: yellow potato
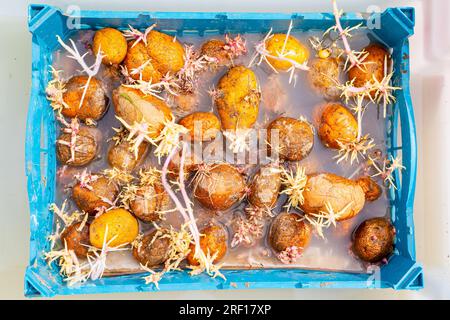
323 76
135 107
293 50
337 123
122 226
112 44
203 126
238 98
167 53
136 57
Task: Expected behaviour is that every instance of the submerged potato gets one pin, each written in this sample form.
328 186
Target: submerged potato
135 107
138 56
153 250
289 230
149 201
219 186
374 66
295 50
120 156
238 98
213 240
112 44
374 240
202 126
345 196
265 187
191 162
166 53
76 239
371 189
95 101
184 102
116 226
215 48
337 123
295 137
100 193
323 76
85 148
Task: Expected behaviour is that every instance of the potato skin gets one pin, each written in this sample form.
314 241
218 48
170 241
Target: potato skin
121 225
149 200
371 189
289 230
265 187
137 55
135 107
167 55
215 48
374 66
274 46
207 122
296 138
220 188
85 148
323 188
213 238
323 76
91 200
152 252
238 98
120 156
191 163
76 240
112 43
337 123
374 240
95 101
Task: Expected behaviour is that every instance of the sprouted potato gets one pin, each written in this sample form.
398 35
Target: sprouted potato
213 241
76 238
323 77
112 44
122 157
290 48
265 187
153 249
149 201
373 240
84 148
207 124
96 195
215 48
337 124
139 59
165 52
371 189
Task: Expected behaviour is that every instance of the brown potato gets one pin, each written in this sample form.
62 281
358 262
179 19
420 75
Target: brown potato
136 57
296 50
184 102
104 192
153 250
116 227
339 192
323 76
215 48
166 53
337 123
213 240
371 189
112 44
203 126
135 107
374 240
374 66
289 230
120 156
219 186
265 187
149 201
75 239
238 98
296 138
85 148
191 162
95 102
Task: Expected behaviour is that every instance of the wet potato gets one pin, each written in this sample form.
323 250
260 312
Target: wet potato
323 76
202 126
120 156
191 162
238 98
153 250
137 56
85 148
116 226
265 187
95 103
149 201
214 48
166 53
213 240
288 230
219 187
184 102
339 192
296 138
371 189
76 239
298 52
104 192
112 43
373 240
337 123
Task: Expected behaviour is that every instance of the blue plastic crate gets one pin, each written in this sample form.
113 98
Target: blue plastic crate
45 22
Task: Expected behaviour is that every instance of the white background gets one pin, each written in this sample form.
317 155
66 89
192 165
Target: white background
430 78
